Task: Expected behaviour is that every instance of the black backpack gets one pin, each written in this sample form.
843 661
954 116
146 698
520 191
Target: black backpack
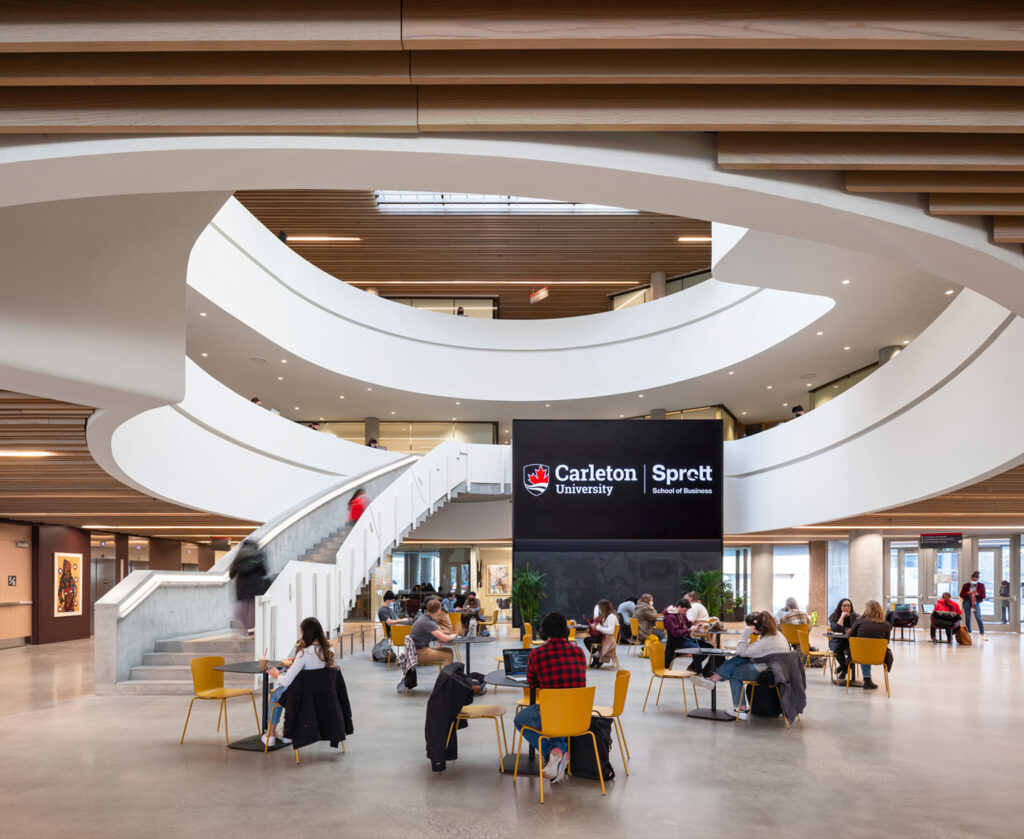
581 751
766 699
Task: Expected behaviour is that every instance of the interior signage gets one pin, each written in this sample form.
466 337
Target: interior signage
941 541
617 480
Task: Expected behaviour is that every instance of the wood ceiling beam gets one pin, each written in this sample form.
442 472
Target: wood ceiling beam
719 67
229 109
714 108
936 182
204 68
976 205
711 24
879 152
117 26
1008 229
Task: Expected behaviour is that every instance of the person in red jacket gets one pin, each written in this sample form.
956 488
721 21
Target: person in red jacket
971 595
949 606
357 505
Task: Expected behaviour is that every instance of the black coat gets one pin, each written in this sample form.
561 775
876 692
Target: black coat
249 571
317 708
451 692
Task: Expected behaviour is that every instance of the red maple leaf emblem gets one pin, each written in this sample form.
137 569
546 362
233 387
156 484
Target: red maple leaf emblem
540 476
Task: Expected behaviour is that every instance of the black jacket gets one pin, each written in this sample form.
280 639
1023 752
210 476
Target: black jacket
788 673
317 708
249 571
452 691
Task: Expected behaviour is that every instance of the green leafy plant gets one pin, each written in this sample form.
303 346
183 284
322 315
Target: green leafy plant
527 590
714 589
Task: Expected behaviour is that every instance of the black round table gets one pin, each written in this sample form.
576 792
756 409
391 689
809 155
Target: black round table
711 713
854 681
499 678
469 641
253 744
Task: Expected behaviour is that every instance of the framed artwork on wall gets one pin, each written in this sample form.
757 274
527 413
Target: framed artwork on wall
67 576
498 580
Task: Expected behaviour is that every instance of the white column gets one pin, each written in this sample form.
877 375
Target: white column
762 572
658 284
867 567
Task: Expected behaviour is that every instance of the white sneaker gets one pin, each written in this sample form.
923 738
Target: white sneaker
732 712
269 743
551 767
285 741
984 637
562 764
703 682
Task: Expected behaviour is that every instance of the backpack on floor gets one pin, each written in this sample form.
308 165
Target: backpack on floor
963 636
581 751
766 699
381 650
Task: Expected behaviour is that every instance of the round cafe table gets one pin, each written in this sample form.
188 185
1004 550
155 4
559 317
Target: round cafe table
253 743
469 641
498 678
711 713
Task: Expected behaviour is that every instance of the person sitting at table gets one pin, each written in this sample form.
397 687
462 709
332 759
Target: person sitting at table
387 614
679 635
554 664
794 614
448 601
744 666
871 624
312 652
646 617
444 620
626 610
840 622
698 611
425 629
605 624
946 616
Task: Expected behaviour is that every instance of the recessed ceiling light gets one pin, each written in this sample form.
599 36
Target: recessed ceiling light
25 453
320 239
949 291
453 419
369 388
905 343
284 360
835 387
808 384
640 396
296 407
689 239
845 282
392 413
205 355
257 359
280 378
785 404
743 413
321 418
732 372
821 333
506 431
769 387
846 348
341 397
203 314
622 416
458 403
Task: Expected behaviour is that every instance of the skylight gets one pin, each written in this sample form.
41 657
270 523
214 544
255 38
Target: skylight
400 201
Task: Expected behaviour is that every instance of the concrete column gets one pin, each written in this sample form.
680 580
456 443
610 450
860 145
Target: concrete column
867 567
657 413
120 556
658 284
207 558
818 589
762 572
164 555
371 429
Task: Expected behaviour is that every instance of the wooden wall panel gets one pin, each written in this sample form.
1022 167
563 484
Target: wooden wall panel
705 24
949 182
1008 229
976 205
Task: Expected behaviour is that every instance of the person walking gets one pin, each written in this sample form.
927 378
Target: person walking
1004 600
972 595
249 571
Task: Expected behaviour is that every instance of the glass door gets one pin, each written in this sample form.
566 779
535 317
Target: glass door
999 609
904 575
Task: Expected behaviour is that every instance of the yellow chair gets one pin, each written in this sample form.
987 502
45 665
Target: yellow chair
657 659
493 621
804 639
399 632
565 712
869 651
634 631
208 683
791 632
614 712
485 712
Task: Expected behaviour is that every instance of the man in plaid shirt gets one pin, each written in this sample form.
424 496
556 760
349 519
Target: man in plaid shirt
556 664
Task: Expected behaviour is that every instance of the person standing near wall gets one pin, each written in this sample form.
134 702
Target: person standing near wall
1004 600
972 595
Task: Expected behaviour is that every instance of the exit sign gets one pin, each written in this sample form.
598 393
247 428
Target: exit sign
12 580
540 294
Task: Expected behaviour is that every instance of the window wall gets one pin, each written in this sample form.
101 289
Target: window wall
829 391
472 307
838 560
791 575
415 437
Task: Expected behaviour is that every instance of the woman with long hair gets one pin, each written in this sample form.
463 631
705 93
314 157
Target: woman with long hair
744 666
312 652
604 624
840 622
872 624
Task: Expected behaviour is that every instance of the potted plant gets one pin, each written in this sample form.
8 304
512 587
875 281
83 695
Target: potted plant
527 591
715 591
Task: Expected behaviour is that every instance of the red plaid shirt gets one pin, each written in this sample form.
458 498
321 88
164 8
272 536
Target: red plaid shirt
557 664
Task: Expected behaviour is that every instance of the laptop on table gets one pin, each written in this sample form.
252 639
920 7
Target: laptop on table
515 664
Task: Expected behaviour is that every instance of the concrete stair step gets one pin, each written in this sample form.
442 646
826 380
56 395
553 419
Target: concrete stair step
171 687
156 659
209 645
182 673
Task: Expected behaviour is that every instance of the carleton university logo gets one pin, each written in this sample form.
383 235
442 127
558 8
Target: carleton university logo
536 477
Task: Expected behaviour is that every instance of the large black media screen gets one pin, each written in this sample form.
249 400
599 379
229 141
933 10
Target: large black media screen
621 482
616 508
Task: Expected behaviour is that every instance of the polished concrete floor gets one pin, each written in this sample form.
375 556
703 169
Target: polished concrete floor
942 758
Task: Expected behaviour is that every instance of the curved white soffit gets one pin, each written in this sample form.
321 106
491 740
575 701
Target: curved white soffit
911 430
218 452
664 173
248 273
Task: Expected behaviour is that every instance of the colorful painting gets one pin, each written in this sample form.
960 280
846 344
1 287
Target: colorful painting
67 575
498 582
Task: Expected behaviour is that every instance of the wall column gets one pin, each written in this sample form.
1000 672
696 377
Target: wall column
371 429
164 555
658 284
818 589
867 568
207 558
120 557
762 573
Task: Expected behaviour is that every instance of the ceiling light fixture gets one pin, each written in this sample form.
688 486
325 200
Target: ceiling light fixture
202 314
905 343
732 372
949 291
369 388
785 404
205 355
296 407
547 406
492 282
640 396
284 360
769 387
25 453
280 378
693 239
341 397
322 239
846 348
458 403
845 282
743 413
821 333
392 413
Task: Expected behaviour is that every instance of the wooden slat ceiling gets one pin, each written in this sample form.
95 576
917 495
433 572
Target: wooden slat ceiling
878 86
71 488
452 255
